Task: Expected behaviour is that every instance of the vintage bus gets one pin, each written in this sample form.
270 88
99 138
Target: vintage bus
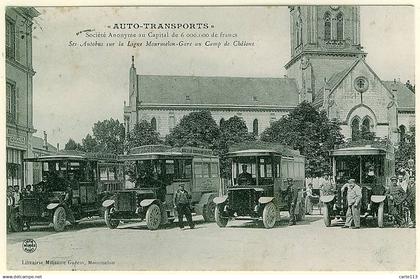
91 177
265 193
371 166
153 174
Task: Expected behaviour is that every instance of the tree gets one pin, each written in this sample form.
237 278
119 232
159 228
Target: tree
90 144
142 134
310 132
110 136
197 129
406 151
232 131
72 145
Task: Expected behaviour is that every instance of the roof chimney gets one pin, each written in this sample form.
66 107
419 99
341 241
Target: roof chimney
45 141
58 147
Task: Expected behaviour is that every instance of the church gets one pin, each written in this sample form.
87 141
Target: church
327 68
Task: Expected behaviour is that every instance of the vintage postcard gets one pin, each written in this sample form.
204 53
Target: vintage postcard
210 138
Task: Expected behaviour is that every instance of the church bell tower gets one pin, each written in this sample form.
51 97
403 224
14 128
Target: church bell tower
324 40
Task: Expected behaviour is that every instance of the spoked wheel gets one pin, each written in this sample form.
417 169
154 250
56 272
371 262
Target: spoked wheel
327 220
221 220
208 212
111 223
269 215
59 219
153 217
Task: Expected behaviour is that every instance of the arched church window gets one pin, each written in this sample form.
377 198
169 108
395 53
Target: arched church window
221 122
355 133
153 124
340 26
255 127
327 26
366 125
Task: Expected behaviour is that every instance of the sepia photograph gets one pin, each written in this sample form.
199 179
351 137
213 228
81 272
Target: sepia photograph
210 138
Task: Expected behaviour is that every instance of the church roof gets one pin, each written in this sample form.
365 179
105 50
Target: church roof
404 97
235 91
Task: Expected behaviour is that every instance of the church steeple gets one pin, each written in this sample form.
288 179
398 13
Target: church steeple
323 40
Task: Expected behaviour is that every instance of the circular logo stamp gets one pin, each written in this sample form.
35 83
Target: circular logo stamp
29 245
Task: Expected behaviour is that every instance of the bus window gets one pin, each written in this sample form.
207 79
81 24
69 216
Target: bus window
277 169
206 169
188 168
111 173
103 173
290 169
170 167
198 169
45 166
214 170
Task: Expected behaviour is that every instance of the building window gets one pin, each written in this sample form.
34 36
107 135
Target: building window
11 110
14 167
255 127
171 122
355 129
366 125
340 28
10 39
154 124
327 26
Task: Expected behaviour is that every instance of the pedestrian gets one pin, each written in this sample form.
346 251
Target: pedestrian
327 186
402 182
396 197
308 199
411 200
68 204
16 195
182 205
354 198
292 194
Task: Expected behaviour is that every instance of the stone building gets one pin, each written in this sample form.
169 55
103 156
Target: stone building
19 93
327 68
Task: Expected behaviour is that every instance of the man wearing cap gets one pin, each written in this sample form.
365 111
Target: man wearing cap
292 195
326 186
354 197
244 178
396 197
182 205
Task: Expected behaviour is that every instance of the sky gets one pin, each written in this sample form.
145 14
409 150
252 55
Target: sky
74 87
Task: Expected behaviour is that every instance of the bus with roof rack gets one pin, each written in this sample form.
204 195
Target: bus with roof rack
74 185
153 173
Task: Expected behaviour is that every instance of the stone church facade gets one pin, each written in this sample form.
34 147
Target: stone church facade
327 68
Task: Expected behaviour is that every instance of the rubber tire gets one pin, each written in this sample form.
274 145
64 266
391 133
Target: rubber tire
327 220
220 220
112 224
59 219
153 217
381 215
16 223
269 215
208 212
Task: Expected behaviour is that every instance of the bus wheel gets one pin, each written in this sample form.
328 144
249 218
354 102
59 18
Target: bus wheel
59 219
381 215
327 220
153 217
208 212
111 223
16 223
269 215
221 221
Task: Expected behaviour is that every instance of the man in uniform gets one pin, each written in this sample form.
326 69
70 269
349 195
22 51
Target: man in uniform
68 202
308 199
292 194
244 178
327 187
354 197
411 200
182 205
396 198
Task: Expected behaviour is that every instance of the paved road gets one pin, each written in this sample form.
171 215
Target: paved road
242 245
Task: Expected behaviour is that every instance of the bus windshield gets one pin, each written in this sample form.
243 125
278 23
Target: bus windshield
367 170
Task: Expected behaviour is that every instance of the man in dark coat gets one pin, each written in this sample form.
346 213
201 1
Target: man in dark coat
411 199
292 193
182 205
396 197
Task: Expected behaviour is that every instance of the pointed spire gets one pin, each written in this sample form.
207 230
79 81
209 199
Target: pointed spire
132 61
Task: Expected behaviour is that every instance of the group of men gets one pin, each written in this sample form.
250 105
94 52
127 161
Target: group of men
400 194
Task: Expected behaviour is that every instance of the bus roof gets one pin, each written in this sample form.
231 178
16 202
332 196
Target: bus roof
358 151
150 152
261 149
74 156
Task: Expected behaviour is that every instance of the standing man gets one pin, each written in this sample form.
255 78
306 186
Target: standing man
182 205
308 199
292 198
411 200
402 182
395 201
354 197
327 187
